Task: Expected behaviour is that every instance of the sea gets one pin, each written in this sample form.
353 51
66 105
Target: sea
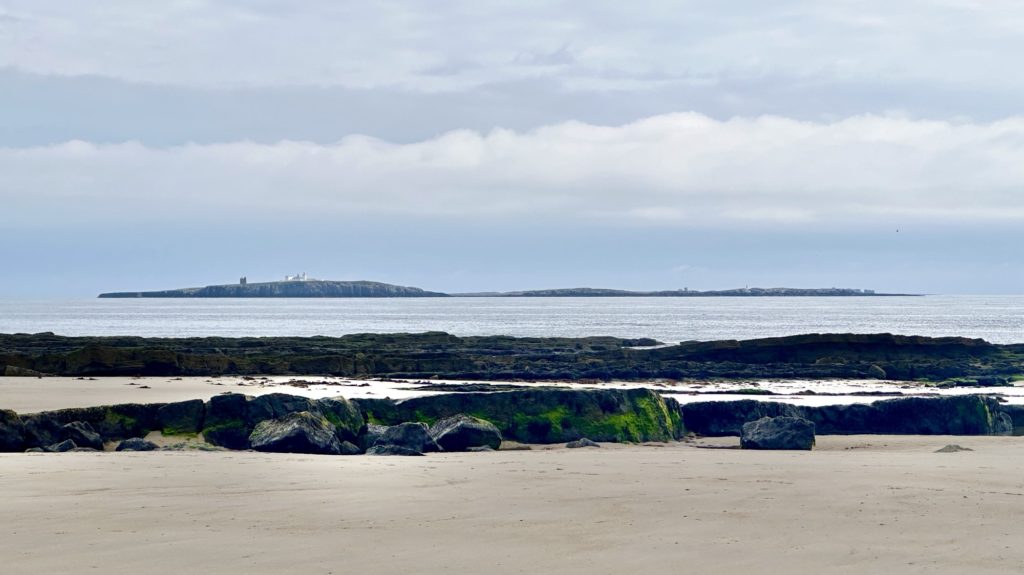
995 318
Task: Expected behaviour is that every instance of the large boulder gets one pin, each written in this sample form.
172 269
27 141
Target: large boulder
547 415
111 422
346 417
82 434
275 406
778 433
952 415
136 444
301 432
182 417
414 436
462 432
12 432
225 423
718 418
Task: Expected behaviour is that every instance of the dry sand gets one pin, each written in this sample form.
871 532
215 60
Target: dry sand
861 504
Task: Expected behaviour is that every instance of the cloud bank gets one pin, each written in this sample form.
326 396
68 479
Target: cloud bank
671 170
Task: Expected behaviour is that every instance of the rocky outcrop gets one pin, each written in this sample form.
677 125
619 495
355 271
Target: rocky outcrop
463 432
230 419
136 444
82 434
718 418
12 432
298 432
952 415
226 422
778 433
547 415
285 289
182 417
111 422
408 436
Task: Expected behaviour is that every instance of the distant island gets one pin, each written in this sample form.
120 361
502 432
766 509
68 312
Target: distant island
301 286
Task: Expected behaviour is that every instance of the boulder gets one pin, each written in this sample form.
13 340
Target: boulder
346 417
547 415
301 432
136 444
778 433
582 442
414 436
63 446
276 406
372 434
392 450
951 415
224 423
12 432
718 418
462 432
82 434
183 417
111 422
349 448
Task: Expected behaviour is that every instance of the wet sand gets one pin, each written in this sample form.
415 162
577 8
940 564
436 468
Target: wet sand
859 504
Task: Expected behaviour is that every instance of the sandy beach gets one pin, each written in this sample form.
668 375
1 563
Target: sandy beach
857 504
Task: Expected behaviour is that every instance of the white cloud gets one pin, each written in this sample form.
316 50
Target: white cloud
670 170
455 45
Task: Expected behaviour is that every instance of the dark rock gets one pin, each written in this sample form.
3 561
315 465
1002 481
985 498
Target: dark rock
718 418
876 372
12 432
183 417
225 422
349 448
373 433
414 436
480 449
952 415
111 422
462 432
301 432
582 442
548 415
346 417
392 450
276 406
63 446
82 434
778 433
136 444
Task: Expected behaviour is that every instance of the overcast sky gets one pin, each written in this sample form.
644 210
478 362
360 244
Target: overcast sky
465 146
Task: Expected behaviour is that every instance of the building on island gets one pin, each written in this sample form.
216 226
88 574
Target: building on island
297 278
243 280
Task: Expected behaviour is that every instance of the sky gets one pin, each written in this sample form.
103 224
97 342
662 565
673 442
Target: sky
479 146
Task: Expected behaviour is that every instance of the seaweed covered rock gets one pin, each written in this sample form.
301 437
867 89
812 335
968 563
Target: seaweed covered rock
182 417
136 444
778 433
346 417
82 434
462 432
547 415
414 436
12 432
225 423
300 432
111 422
953 415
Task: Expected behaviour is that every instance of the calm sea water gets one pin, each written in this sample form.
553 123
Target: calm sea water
999 319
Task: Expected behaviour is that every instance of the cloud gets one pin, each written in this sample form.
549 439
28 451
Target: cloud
464 44
682 170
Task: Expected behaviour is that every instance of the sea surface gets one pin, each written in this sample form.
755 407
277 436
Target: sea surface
998 319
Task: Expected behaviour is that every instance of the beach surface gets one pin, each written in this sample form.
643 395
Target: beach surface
856 504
